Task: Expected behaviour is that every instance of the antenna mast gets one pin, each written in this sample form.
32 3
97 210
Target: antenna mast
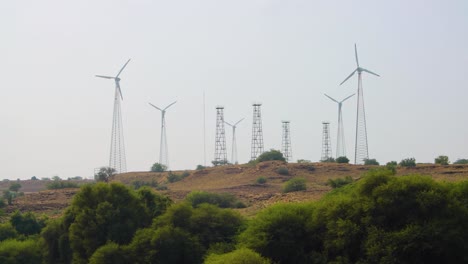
257 132
220 142
326 142
286 142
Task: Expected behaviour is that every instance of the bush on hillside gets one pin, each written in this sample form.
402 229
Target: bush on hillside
442 160
461 161
105 174
137 184
338 182
173 177
239 256
271 155
371 162
282 171
409 162
53 185
158 167
261 180
342 159
222 200
328 160
295 185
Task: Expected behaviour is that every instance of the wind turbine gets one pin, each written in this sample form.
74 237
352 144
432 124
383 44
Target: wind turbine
234 143
361 149
117 158
163 152
340 145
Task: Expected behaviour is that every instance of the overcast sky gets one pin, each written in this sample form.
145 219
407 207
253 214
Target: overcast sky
56 117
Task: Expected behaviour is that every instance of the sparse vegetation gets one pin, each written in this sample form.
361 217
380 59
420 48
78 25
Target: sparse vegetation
409 162
295 185
105 174
200 167
271 155
59 184
158 167
394 163
303 161
342 159
328 160
137 184
239 256
442 160
282 171
174 177
261 180
222 200
461 161
371 162
339 182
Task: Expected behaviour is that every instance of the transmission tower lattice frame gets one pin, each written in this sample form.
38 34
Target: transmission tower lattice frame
286 141
326 142
256 148
220 140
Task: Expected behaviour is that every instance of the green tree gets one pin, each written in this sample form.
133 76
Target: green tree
371 162
409 162
328 160
110 253
14 187
294 185
27 223
15 251
105 174
7 231
342 160
442 160
239 256
461 161
157 167
271 155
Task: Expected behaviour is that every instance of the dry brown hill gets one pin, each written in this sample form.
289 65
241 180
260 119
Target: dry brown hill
240 180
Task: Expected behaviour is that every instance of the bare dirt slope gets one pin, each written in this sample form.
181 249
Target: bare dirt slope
240 180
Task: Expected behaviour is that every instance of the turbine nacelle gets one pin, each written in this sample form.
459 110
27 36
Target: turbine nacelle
358 69
116 79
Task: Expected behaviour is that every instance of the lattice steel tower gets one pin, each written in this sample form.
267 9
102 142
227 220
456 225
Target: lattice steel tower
286 142
220 142
117 158
257 133
326 142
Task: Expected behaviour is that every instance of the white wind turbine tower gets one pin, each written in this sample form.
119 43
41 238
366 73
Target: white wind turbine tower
117 158
340 139
234 143
163 152
361 149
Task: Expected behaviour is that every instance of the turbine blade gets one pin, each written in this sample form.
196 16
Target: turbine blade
238 122
355 52
228 124
122 68
105 77
117 84
331 98
348 77
370 72
347 98
170 105
155 106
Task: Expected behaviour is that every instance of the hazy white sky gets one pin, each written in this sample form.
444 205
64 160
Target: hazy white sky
55 116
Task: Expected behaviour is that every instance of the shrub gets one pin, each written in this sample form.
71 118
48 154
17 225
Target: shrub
27 223
442 160
303 161
14 251
271 155
157 167
282 171
14 187
461 161
105 174
61 185
342 159
222 200
336 183
200 167
110 253
261 180
328 160
394 163
294 185
371 162
137 184
7 231
409 162
239 256
173 177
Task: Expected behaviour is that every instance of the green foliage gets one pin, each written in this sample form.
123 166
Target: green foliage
173 177
339 182
342 159
34 178
14 251
280 233
157 167
282 171
105 174
461 161
59 184
392 163
271 155
8 196
239 256
155 204
294 185
56 243
7 231
110 253
56 178
137 184
409 162
371 162
222 200
14 187
261 180
442 160
328 160
27 223
200 167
